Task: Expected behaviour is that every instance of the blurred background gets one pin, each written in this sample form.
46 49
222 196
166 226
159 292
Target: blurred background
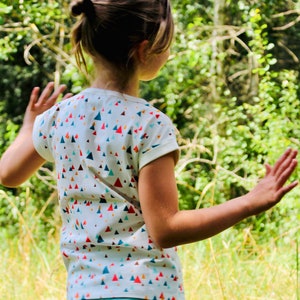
231 87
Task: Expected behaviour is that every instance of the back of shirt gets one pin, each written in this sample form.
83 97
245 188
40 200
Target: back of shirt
99 140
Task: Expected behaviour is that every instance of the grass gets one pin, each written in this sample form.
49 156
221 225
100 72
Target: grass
30 267
217 270
230 266
213 270
27 273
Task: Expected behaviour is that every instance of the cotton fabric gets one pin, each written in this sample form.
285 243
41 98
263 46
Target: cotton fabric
99 140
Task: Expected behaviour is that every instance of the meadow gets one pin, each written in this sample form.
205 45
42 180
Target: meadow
230 266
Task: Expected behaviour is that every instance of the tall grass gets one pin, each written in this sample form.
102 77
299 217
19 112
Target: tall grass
222 269
28 274
230 266
30 264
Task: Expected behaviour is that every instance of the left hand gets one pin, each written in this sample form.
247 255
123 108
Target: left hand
40 103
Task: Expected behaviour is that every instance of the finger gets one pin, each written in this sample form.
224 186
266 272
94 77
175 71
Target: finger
284 190
268 169
295 153
46 92
67 96
281 159
33 97
284 176
56 93
285 164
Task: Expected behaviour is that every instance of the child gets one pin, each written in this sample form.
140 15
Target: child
115 155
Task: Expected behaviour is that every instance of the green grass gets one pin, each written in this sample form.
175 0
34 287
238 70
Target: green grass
30 271
214 269
230 266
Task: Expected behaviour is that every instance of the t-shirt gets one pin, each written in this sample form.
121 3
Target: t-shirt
99 140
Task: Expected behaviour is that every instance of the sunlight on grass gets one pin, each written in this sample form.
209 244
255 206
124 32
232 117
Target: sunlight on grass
218 270
31 266
31 273
230 266
213 270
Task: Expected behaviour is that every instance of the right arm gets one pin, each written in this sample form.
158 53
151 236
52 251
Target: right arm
21 160
168 226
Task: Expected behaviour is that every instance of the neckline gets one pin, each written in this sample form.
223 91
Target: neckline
112 92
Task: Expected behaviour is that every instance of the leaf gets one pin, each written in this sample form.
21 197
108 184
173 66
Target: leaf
4 9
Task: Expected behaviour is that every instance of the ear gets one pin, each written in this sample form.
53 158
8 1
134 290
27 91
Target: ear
142 52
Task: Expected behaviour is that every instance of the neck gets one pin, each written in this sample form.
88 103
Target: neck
108 80
130 89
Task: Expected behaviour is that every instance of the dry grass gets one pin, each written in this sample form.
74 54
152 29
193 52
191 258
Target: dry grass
217 270
230 266
213 270
31 268
28 272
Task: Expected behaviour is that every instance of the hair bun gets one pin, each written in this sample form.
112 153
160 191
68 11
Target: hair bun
79 7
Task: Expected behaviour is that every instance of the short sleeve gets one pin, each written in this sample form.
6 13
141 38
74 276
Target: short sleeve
159 140
40 137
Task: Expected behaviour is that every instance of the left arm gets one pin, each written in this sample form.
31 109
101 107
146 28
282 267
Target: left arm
21 160
168 226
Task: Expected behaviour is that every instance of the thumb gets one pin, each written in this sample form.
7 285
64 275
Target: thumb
268 169
67 96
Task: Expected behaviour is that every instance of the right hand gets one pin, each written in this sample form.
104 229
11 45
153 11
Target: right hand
270 190
39 103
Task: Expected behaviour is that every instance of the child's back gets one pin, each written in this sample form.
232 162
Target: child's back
99 140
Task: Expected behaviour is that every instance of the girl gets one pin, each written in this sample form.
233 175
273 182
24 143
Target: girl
115 155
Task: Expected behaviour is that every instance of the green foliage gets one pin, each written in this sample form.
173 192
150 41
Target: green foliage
231 86
234 108
31 34
228 87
